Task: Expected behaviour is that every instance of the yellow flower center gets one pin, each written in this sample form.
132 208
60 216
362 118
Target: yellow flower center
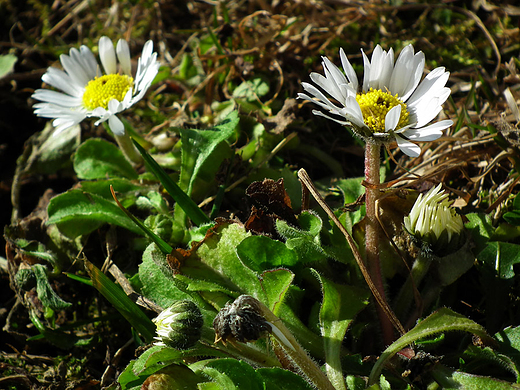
375 104
101 90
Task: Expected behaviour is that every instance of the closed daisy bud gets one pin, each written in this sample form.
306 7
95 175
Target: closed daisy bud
179 326
434 222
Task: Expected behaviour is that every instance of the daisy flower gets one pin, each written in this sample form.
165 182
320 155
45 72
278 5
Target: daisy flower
87 92
391 104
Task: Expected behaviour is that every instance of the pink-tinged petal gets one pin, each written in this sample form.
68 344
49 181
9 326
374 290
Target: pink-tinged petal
107 54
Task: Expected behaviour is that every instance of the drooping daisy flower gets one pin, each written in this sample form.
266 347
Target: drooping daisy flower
87 92
432 219
391 103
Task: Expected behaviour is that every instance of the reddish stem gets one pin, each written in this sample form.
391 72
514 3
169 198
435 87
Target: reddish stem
374 233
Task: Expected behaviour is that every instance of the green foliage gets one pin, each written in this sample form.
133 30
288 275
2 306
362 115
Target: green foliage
443 320
7 62
45 292
78 213
124 305
262 253
97 159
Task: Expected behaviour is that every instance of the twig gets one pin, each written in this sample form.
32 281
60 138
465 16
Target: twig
306 181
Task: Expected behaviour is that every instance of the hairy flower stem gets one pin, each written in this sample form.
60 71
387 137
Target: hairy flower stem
129 150
294 351
374 233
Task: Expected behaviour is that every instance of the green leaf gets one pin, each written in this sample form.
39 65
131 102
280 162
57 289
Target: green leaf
77 213
218 251
251 90
117 297
509 344
351 189
442 320
182 200
204 150
276 284
451 267
161 244
278 379
306 242
261 253
7 62
125 189
450 379
172 377
340 305
99 159
481 229
501 257
513 216
481 359
230 374
45 292
156 358
159 285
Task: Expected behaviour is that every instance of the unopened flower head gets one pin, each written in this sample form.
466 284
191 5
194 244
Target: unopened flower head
432 220
179 326
87 92
391 104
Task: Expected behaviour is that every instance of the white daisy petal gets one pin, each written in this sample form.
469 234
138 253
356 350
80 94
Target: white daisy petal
392 118
61 80
393 100
407 147
123 55
428 133
434 81
116 125
349 70
81 85
61 99
107 54
74 70
91 64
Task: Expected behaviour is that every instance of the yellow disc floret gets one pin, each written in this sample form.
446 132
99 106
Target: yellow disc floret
375 104
101 90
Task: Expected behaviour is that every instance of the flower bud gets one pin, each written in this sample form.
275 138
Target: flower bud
433 222
179 326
